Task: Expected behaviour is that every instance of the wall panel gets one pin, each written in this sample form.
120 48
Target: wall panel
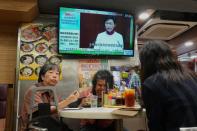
8 45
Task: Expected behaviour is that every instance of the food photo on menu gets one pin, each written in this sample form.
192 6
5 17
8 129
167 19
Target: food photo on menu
53 48
41 47
41 59
31 32
27 59
55 59
37 46
26 71
50 32
27 47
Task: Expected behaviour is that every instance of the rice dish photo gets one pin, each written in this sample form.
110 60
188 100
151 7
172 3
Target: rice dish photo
26 47
41 47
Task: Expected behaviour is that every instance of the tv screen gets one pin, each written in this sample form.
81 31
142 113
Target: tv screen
95 32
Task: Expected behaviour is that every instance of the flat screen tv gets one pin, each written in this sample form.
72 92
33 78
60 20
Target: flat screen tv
95 32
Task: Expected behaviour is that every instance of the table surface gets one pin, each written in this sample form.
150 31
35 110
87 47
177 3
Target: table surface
92 113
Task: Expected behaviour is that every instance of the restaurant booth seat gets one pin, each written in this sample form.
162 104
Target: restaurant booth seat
3 100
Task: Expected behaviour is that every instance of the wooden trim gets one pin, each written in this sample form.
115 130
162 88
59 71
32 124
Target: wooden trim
18 11
8 47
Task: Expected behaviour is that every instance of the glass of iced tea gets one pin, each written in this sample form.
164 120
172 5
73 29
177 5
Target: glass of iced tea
129 97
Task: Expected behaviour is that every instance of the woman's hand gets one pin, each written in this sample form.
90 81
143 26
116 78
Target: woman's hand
85 102
70 99
73 96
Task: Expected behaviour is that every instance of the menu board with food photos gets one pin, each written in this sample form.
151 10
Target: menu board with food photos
87 68
38 45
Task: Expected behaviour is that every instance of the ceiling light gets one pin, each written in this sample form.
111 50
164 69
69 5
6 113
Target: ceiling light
189 43
144 15
193 56
184 59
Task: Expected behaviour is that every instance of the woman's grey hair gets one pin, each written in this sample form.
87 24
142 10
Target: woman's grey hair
45 68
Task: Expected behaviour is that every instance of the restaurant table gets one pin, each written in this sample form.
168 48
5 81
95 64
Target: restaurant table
98 113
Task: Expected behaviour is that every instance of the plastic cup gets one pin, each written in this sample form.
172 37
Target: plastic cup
94 101
129 97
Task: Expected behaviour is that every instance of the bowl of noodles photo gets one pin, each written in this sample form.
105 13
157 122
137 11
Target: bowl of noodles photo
27 59
55 59
26 71
41 59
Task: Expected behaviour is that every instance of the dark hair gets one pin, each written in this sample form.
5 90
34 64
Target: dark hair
157 57
110 18
46 67
102 75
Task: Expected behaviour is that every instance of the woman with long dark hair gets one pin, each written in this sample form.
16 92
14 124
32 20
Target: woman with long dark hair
169 91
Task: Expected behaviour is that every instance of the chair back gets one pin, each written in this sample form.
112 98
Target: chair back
45 89
44 109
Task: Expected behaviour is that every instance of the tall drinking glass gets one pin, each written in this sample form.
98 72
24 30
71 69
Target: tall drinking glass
94 101
129 97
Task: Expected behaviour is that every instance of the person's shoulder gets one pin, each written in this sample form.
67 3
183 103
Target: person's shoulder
102 33
31 88
154 79
116 33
